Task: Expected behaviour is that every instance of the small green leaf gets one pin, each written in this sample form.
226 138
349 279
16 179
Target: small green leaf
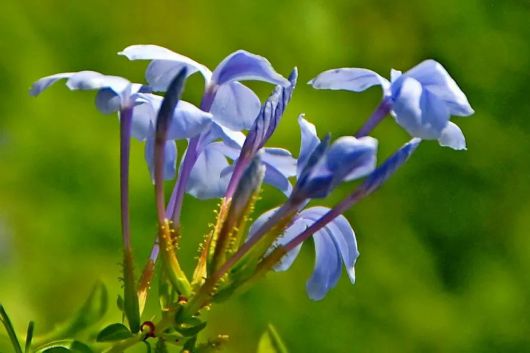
119 302
29 337
64 346
10 330
191 327
90 313
114 332
270 342
161 346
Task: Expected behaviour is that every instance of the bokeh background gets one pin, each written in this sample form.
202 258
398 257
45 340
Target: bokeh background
445 245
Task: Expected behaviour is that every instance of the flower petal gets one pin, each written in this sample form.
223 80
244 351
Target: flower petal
170 158
188 121
406 107
235 106
108 101
350 158
167 59
47 81
452 137
342 234
89 80
206 179
327 266
281 159
435 78
350 79
242 65
309 141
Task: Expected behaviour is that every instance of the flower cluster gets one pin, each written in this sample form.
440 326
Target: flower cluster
227 158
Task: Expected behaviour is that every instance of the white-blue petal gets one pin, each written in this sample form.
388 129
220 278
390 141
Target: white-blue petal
188 121
242 65
452 137
350 79
158 53
206 178
90 80
235 106
435 78
406 106
47 81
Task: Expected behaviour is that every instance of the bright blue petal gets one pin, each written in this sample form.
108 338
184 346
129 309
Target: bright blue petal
308 143
242 65
206 178
350 158
290 233
434 78
235 106
327 266
452 137
350 79
434 116
170 158
342 234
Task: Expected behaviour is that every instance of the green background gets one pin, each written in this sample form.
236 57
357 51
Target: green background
445 245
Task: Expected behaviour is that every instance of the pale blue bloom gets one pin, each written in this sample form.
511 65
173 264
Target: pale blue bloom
212 171
234 105
422 99
335 244
117 93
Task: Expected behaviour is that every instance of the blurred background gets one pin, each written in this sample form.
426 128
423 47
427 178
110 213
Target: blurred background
445 245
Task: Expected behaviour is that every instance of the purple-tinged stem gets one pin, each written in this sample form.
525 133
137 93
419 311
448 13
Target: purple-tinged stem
241 164
377 116
192 153
125 144
130 297
372 183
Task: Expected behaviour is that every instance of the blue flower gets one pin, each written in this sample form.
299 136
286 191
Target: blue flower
422 99
321 166
211 173
234 105
117 93
335 244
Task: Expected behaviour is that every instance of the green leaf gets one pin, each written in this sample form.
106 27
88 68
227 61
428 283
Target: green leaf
119 302
90 313
64 346
270 342
29 337
10 330
161 346
191 327
114 332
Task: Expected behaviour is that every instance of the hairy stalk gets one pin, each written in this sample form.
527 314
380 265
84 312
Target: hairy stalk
130 298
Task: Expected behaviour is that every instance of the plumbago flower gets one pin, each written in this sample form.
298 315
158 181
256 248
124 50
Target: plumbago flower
117 94
422 99
320 169
227 157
